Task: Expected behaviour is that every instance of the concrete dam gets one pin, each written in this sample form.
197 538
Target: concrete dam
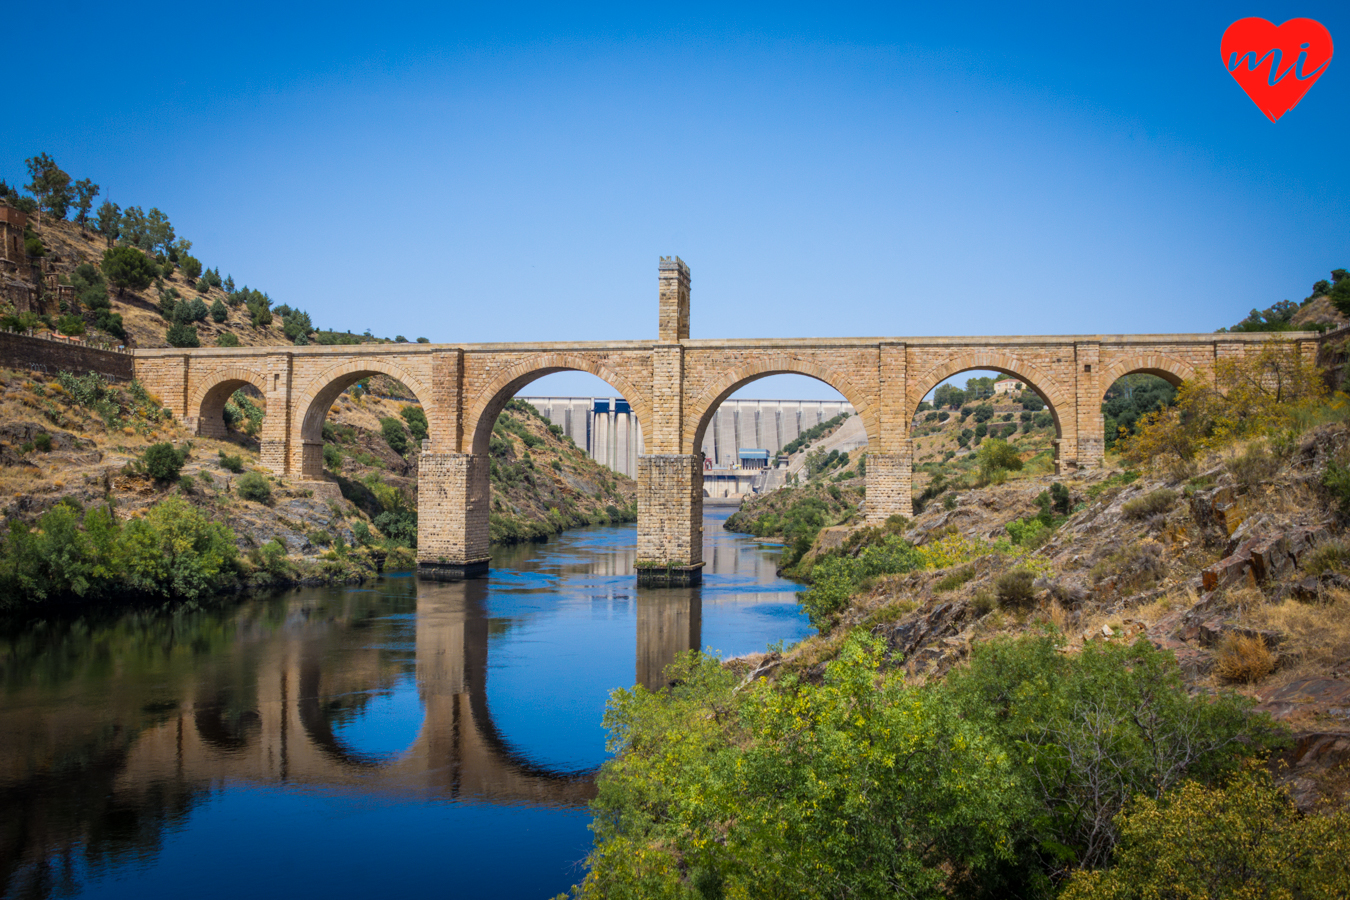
611 434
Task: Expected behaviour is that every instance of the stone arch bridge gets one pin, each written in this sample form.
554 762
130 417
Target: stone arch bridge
673 385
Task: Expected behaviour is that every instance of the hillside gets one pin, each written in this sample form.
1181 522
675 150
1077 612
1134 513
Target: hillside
79 444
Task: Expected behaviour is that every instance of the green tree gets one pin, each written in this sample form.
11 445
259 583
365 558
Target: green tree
85 192
218 311
197 310
158 231
109 222
1241 840
191 266
998 455
416 418
227 339
50 185
135 229
70 325
128 268
182 335
394 435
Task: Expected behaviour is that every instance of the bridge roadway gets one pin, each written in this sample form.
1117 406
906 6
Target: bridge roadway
674 386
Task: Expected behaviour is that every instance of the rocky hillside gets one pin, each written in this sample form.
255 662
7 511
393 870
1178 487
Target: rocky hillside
1242 570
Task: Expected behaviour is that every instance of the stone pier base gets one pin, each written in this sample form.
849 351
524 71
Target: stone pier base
670 519
452 515
889 485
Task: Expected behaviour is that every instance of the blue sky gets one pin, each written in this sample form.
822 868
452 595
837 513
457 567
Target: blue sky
513 173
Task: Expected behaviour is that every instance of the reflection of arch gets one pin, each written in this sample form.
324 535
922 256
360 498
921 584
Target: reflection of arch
234 734
323 389
213 391
317 723
487 406
1028 373
1173 371
698 417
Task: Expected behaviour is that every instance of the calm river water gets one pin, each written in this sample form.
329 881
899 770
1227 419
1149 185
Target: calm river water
397 739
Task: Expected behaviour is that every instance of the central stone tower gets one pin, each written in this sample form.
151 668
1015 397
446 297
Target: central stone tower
674 318
670 481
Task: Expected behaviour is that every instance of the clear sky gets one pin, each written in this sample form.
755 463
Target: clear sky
503 173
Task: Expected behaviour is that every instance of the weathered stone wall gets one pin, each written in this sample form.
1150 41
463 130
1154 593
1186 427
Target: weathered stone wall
19 351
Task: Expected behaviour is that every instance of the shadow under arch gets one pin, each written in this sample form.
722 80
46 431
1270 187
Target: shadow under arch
207 403
322 390
483 410
701 413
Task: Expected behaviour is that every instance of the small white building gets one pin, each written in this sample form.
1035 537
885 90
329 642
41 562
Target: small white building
1008 386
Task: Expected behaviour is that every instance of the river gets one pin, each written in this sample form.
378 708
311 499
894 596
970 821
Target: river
401 738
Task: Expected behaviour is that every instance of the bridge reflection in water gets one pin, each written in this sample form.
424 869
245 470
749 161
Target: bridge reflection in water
114 732
305 683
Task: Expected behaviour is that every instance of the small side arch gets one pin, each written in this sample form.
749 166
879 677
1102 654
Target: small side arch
483 410
207 403
323 389
700 414
1170 369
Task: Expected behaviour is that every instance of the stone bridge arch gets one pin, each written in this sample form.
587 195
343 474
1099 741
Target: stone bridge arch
482 410
701 409
317 395
1169 368
1060 401
206 405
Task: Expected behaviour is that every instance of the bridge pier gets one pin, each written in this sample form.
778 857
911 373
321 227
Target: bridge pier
670 519
453 498
890 484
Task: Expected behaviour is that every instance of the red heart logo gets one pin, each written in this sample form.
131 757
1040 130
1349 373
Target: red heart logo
1276 65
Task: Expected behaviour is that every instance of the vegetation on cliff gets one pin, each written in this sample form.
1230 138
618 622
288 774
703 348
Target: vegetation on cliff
1076 685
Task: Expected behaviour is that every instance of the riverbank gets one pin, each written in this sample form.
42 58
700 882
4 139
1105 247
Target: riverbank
77 451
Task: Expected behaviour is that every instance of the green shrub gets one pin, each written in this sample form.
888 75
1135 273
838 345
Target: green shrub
170 552
255 487
1244 839
332 457
416 418
70 325
227 339
1015 589
218 312
320 538
43 442
182 335
162 462
1149 505
954 579
394 435
1336 480
231 463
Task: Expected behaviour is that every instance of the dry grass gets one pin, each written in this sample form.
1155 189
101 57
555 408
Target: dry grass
1243 659
1316 636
